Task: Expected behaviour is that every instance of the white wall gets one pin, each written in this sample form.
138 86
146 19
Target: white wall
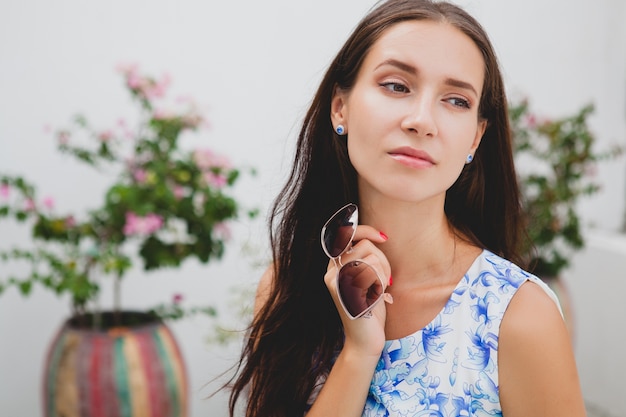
254 66
596 286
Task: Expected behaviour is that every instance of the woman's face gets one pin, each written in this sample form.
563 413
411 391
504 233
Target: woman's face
412 115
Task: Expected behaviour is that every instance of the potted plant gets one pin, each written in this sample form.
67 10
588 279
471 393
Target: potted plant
166 204
556 161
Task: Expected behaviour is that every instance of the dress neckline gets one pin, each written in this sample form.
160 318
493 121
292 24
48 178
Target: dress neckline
475 264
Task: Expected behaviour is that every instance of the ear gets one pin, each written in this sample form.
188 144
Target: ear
480 131
339 108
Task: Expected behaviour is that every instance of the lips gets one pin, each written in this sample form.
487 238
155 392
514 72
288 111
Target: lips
412 157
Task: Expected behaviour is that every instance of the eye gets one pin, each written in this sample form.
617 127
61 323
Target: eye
395 87
459 102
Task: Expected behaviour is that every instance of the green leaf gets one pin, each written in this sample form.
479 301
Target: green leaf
25 287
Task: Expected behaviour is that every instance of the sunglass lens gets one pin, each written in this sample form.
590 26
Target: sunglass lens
339 230
359 287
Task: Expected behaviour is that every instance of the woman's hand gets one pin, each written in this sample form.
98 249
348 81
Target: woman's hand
365 335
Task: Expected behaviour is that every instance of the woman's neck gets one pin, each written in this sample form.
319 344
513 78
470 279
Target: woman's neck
422 247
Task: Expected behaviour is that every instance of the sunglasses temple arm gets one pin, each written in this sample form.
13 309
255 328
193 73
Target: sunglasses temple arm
388 298
337 262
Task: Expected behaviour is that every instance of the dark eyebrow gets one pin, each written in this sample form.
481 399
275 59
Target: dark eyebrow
398 64
461 84
403 66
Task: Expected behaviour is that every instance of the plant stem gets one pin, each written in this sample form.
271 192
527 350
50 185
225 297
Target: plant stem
97 311
117 299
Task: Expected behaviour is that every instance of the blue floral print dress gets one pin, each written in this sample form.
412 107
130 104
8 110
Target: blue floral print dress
450 367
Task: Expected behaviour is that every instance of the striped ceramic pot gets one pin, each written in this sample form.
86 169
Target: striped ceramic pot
130 369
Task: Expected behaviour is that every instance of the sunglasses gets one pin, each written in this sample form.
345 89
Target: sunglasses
359 286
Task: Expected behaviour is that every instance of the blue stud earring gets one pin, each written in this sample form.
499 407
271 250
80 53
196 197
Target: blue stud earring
469 158
340 130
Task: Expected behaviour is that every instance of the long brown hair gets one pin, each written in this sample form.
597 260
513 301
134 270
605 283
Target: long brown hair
294 337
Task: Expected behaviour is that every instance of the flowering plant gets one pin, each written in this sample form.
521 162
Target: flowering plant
169 203
563 160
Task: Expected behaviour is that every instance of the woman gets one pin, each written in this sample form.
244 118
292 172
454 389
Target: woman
410 123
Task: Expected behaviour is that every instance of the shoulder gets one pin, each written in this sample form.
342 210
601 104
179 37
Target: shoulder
264 288
532 307
491 266
510 275
535 356
503 268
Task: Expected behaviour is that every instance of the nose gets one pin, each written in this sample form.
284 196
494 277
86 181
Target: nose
420 118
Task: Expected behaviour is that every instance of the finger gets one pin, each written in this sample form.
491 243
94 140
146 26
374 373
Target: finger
369 233
368 252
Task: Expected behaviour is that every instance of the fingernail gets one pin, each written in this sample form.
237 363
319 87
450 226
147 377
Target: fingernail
384 236
390 280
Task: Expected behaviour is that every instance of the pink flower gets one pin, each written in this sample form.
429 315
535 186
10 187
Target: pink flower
591 170
158 88
70 221
162 114
212 164
126 68
138 225
4 190
145 87
105 136
178 191
215 180
131 72
206 159
531 120
184 99
177 298
134 81
192 121
140 175
63 137
48 203
222 231
29 205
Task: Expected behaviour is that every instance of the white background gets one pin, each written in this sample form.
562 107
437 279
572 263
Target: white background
253 67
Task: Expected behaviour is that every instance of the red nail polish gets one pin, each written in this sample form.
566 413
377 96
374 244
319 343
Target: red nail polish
384 236
390 280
